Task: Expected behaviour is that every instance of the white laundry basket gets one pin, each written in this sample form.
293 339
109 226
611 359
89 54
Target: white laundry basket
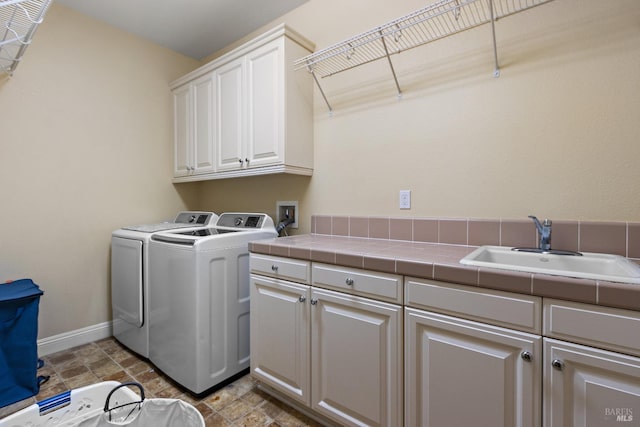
69 408
106 404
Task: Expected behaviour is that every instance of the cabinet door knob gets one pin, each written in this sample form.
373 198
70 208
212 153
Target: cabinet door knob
557 363
349 281
240 161
274 268
525 355
314 301
302 298
246 160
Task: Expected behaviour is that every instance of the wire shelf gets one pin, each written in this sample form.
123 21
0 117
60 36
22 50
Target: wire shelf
19 20
431 23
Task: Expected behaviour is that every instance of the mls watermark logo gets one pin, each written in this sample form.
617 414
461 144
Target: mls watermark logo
619 414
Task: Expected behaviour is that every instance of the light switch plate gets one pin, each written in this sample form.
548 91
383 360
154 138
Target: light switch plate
405 199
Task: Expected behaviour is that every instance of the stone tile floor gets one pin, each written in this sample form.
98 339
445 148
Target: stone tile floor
240 403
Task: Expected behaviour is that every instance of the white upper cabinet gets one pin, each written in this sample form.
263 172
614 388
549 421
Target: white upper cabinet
260 116
229 115
265 105
181 131
193 131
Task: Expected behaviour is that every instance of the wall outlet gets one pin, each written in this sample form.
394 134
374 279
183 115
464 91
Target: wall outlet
287 209
405 199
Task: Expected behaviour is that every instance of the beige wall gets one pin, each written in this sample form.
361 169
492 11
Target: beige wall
85 148
557 135
86 136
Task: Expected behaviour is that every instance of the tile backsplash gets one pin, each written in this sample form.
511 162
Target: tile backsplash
620 238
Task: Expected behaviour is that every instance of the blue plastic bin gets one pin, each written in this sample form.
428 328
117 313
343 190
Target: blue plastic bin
19 302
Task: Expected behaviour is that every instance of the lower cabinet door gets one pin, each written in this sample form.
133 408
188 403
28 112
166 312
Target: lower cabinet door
589 387
465 373
356 359
280 338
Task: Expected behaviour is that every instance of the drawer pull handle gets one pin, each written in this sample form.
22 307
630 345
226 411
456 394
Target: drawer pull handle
349 281
314 301
557 363
274 268
302 298
526 356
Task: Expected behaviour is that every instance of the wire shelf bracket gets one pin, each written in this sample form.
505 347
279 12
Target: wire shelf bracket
431 23
19 20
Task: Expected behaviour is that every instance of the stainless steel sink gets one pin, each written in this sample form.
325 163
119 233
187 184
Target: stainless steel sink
595 266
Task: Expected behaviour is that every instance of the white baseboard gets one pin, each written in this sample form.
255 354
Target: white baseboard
75 338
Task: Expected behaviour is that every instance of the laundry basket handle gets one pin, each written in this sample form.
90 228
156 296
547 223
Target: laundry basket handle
106 403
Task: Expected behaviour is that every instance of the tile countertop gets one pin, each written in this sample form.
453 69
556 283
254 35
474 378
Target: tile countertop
441 262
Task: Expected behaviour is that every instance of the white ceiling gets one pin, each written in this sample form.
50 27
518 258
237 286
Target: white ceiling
195 28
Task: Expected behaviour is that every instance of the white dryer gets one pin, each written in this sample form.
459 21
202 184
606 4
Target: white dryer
199 300
130 276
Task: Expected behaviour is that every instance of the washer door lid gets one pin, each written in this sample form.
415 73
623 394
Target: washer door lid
126 281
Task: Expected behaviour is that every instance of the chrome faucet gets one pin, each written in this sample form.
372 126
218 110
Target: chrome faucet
544 231
544 246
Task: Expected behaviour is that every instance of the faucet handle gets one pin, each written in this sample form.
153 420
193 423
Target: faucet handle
535 221
545 223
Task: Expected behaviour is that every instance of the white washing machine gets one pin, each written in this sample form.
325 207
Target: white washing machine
199 300
130 276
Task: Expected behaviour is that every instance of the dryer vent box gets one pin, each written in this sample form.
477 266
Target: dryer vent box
287 209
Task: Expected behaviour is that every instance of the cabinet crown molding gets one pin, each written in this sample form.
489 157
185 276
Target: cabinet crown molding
270 35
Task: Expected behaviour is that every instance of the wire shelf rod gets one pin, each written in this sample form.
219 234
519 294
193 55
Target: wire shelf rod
393 71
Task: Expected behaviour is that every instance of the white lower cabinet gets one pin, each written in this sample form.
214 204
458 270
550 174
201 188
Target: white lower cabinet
466 373
585 386
335 340
280 338
356 359
335 353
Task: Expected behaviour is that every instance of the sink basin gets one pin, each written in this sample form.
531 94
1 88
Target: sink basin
614 268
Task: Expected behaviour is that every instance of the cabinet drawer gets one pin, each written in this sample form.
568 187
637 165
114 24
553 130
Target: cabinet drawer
282 268
604 327
506 309
383 286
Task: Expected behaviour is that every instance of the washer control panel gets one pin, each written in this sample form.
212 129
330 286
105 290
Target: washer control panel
195 218
242 220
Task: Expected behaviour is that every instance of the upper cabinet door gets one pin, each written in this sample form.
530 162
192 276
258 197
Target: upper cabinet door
265 105
229 115
182 131
202 146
